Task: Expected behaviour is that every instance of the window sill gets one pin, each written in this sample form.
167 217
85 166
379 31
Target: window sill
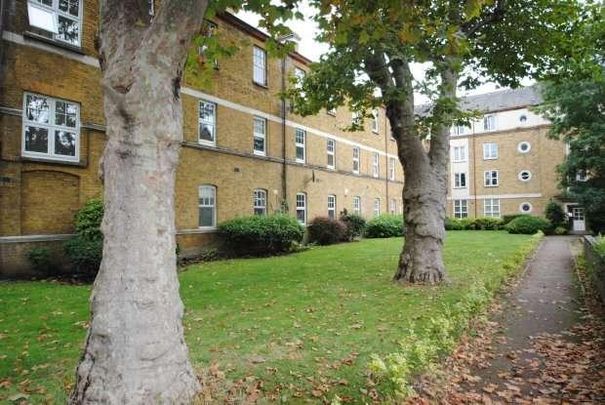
261 85
490 186
32 159
302 162
207 143
54 42
258 153
494 158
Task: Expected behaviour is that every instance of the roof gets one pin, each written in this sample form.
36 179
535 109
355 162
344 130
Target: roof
500 100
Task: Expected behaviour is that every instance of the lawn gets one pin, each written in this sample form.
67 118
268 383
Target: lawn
297 326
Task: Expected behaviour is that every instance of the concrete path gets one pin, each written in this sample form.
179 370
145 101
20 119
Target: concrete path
542 347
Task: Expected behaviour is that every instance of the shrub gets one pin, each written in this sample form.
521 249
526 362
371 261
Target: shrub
599 246
458 224
326 231
355 224
487 224
555 214
507 218
528 225
560 230
85 250
40 259
260 234
385 226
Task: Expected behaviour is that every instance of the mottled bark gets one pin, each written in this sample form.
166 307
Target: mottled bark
135 351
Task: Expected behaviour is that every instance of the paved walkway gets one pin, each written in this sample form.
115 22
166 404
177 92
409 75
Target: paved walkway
542 347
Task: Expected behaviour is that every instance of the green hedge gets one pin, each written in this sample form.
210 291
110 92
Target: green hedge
385 226
85 250
259 235
528 225
476 224
326 231
355 224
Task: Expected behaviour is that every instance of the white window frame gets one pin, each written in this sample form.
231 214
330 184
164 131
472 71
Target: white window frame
206 122
458 180
529 175
331 206
490 151
355 118
259 66
488 178
375 164
491 207
209 204
51 127
376 207
301 207
489 122
459 154
525 203
375 121
56 13
356 159
300 142
458 130
392 164
331 153
259 135
357 205
460 208
522 144
259 201
393 206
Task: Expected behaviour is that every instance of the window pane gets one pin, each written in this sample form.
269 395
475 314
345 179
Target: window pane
65 114
37 109
206 216
300 153
259 144
65 143
207 132
207 112
69 31
300 215
69 6
36 139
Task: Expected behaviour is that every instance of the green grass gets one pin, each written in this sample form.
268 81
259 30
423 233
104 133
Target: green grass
304 324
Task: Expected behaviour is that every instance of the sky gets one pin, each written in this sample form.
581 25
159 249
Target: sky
307 29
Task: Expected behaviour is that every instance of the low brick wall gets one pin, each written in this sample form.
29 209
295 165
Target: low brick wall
596 265
14 250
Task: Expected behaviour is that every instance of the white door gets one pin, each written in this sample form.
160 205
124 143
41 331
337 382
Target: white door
579 224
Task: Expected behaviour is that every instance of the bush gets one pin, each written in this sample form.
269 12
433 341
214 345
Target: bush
40 259
326 231
507 218
486 224
85 250
599 246
261 234
555 214
528 225
355 224
385 226
458 224
560 230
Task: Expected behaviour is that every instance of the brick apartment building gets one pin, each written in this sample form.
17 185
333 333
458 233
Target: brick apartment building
243 151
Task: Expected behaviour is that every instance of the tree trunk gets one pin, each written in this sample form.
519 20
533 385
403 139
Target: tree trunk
424 202
135 350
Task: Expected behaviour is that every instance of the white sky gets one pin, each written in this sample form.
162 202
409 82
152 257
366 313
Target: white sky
307 30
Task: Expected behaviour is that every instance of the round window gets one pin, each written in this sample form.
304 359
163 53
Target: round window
524 175
524 147
525 207
523 118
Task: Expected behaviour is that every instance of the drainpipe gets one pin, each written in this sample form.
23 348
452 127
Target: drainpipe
474 172
284 173
386 151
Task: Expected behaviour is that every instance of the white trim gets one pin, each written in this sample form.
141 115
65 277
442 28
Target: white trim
35 238
531 207
520 175
520 147
91 61
501 196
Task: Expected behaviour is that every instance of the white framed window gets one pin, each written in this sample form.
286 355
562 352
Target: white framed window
357 205
260 201
375 164
207 123
490 151
300 139
460 180
331 206
524 175
393 206
259 66
392 165
51 128
460 130
459 154
525 207
356 118
460 208
376 207
491 178
489 122
524 147
207 206
331 153
491 207
356 159
260 136
62 19
301 208
375 121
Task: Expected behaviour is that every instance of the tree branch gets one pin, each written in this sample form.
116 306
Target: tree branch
496 14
